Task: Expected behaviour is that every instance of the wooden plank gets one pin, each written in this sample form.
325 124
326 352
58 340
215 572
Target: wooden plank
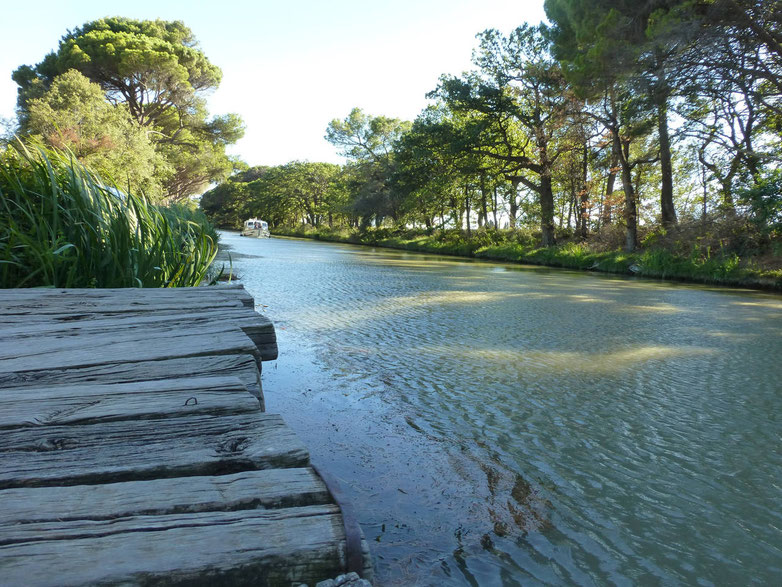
56 315
38 325
233 291
167 398
243 366
122 347
255 547
257 327
49 300
267 489
26 307
139 449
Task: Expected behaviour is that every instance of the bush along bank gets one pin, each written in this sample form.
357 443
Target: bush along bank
685 253
62 226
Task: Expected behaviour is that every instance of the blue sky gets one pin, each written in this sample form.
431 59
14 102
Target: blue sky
291 67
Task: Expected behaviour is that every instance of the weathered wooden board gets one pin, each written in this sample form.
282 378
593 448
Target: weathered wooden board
77 307
132 452
266 489
143 449
130 298
257 327
38 325
122 347
248 547
163 309
166 398
229 291
244 367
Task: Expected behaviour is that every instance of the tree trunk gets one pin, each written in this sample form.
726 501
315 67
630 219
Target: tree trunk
513 204
456 213
666 168
467 208
571 199
608 211
631 212
547 211
494 209
584 194
484 203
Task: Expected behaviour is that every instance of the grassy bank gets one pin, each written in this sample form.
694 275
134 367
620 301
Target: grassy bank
684 254
61 226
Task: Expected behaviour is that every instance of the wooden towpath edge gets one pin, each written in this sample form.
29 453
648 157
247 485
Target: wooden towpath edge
135 449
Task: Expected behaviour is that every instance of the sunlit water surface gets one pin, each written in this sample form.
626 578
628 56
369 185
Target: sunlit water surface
501 425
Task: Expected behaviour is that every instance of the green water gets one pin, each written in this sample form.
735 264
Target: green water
500 425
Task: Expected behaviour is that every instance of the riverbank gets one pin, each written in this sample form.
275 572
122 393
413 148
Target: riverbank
678 256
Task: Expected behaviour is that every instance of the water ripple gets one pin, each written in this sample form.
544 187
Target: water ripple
508 425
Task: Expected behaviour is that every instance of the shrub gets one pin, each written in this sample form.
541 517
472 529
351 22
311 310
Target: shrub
61 226
765 202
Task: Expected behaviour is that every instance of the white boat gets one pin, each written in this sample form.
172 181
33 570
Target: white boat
256 227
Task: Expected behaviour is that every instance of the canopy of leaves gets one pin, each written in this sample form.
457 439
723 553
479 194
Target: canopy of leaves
154 72
74 115
297 191
152 66
364 137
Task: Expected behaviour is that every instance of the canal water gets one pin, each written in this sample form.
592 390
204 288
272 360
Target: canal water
508 425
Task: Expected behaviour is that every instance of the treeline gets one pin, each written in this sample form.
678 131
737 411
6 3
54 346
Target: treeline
617 117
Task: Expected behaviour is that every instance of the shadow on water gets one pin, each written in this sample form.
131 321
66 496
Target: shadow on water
505 425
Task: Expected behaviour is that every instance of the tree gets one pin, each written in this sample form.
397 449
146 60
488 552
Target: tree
733 90
155 70
365 137
520 109
429 167
295 193
591 41
313 187
637 44
754 24
74 115
369 141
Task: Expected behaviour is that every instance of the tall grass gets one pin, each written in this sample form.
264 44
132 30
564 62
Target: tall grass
61 226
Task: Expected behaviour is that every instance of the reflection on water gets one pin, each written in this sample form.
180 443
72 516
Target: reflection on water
509 425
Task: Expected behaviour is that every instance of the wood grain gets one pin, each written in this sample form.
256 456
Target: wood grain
249 547
266 489
243 366
139 449
134 448
122 346
165 398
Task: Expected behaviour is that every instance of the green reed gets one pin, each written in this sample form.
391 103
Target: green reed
62 226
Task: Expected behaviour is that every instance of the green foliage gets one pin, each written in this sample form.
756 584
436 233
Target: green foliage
297 191
365 137
61 226
152 66
370 142
74 115
150 71
561 132
764 200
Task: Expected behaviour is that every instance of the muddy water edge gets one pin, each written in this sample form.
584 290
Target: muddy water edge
507 425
